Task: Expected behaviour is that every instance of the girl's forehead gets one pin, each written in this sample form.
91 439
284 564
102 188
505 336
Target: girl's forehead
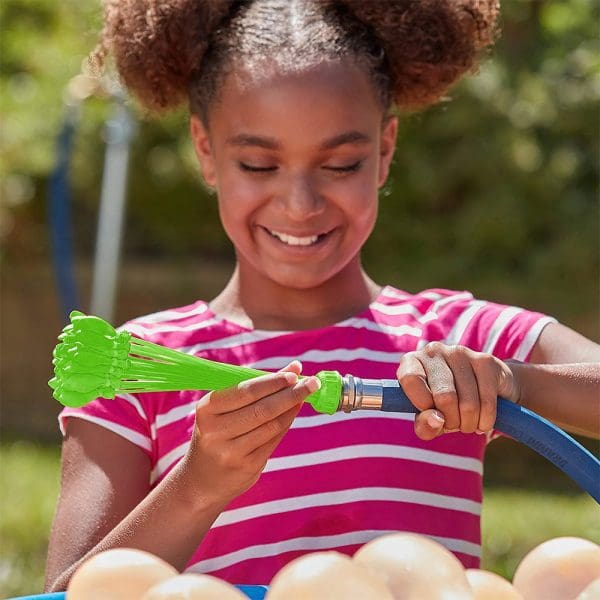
327 90
255 75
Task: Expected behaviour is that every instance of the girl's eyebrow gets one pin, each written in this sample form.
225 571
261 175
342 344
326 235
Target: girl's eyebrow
245 139
348 137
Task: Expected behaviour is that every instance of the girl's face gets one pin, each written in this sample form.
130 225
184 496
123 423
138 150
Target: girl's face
297 161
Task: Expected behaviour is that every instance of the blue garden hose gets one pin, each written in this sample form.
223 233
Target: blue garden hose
528 428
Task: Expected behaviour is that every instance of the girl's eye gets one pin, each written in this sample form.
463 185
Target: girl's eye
252 169
347 168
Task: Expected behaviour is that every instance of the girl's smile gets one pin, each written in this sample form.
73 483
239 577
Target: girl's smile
298 245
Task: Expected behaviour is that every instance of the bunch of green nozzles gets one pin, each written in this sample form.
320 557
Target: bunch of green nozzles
94 360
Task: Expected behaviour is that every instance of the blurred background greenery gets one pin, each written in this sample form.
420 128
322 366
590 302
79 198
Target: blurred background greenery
494 190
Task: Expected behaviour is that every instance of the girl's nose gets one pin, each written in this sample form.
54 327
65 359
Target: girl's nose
301 199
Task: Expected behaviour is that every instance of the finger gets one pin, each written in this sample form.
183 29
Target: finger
465 382
429 424
267 432
251 390
294 367
413 380
269 408
441 383
508 385
262 453
486 372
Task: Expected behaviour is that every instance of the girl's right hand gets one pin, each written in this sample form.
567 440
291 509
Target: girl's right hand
237 429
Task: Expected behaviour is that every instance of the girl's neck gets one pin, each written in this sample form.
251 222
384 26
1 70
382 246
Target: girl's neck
263 304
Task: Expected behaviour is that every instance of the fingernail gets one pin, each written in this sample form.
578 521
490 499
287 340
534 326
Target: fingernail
479 432
435 419
295 363
291 378
312 384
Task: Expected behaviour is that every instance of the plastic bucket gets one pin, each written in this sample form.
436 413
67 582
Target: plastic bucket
254 592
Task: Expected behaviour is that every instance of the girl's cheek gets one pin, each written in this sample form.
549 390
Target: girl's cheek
357 192
242 191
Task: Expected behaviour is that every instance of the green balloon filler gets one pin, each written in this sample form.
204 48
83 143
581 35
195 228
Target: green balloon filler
94 360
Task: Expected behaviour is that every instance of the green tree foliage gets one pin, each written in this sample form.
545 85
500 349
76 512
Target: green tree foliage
493 190
499 185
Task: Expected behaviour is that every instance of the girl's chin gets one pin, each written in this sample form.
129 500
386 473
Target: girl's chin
298 280
309 275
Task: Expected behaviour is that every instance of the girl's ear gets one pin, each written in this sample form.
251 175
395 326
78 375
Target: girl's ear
387 148
203 149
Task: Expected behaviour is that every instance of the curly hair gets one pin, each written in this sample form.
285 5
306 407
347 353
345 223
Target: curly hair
173 51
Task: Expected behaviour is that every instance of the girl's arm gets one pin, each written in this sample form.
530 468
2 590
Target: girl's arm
104 503
568 395
105 500
562 380
558 344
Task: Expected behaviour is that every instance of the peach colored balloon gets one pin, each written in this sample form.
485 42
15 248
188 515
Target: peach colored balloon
490 586
415 567
193 587
329 575
118 574
591 592
558 569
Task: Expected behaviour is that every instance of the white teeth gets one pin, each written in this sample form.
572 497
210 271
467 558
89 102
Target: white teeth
295 241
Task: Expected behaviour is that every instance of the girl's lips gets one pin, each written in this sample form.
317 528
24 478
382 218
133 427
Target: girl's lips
297 243
295 240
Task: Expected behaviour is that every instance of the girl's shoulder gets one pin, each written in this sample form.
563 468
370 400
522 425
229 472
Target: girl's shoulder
457 317
431 298
164 318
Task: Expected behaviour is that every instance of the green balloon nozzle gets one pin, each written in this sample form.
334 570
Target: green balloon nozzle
327 398
94 360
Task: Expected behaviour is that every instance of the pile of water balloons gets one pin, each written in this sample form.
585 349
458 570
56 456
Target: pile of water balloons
398 566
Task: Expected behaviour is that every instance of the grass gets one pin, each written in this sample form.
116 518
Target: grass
514 520
29 481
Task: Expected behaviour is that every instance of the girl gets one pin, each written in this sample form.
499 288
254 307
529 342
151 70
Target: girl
292 120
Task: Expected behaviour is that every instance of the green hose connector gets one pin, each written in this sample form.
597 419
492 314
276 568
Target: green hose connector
327 398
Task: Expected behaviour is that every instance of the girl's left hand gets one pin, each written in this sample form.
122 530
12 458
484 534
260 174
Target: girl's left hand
455 388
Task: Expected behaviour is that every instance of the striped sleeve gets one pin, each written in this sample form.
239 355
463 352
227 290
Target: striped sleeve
133 416
508 332
125 416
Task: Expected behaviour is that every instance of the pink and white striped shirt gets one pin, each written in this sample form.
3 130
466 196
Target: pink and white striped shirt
335 481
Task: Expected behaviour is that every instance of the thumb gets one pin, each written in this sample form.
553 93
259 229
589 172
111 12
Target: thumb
508 380
429 424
